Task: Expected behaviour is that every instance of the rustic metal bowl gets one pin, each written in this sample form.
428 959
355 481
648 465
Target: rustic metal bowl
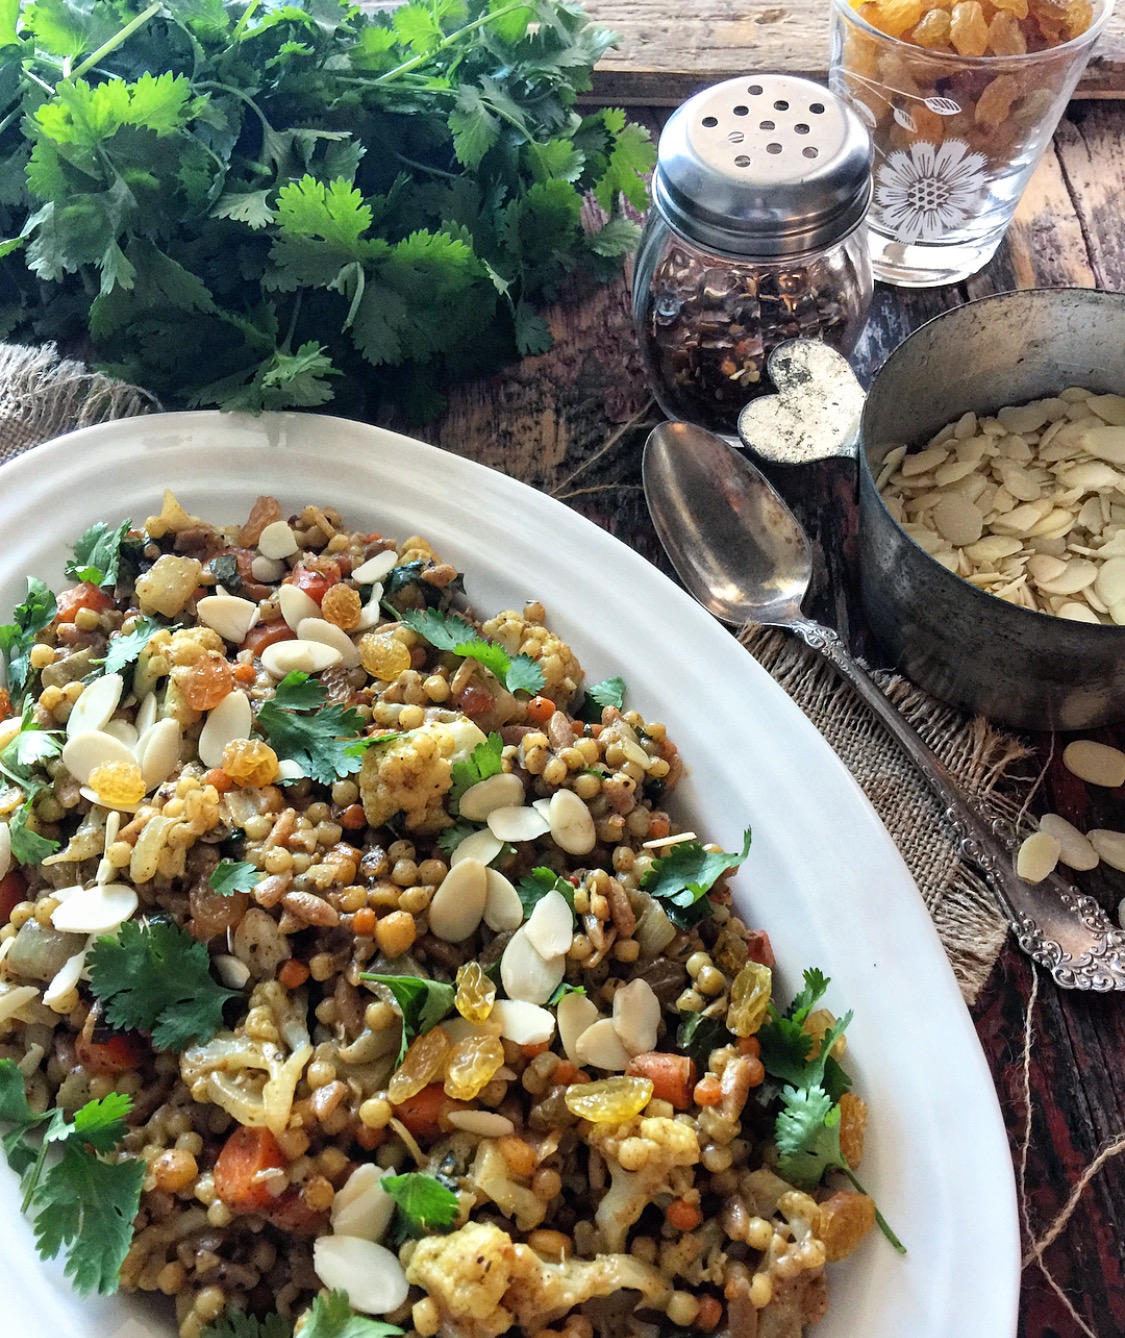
1020 668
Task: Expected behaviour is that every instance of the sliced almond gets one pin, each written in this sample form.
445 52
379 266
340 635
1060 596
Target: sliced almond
1037 857
1075 850
234 974
278 541
267 570
575 1012
1096 763
375 568
362 1207
95 910
502 908
295 605
481 845
1104 442
636 1016
524 972
550 926
305 657
232 719
503 790
368 1273
522 1022
93 748
601 1047
484 1123
96 705
321 632
458 904
522 823
572 824
158 752
229 615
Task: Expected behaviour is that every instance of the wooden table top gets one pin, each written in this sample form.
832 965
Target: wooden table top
668 50
572 423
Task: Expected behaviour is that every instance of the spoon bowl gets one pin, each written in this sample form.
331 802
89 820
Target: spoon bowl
743 555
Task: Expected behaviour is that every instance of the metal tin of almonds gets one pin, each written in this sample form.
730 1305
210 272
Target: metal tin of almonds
1021 668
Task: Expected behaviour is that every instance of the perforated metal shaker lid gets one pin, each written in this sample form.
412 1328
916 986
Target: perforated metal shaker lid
766 165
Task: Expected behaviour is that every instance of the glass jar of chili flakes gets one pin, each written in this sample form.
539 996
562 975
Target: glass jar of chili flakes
755 237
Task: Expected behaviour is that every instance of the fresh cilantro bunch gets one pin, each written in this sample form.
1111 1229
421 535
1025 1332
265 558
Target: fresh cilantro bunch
320 201
76 1196
323 740
449 632
807 1130
681 879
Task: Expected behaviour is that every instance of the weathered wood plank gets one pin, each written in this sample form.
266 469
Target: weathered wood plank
668 50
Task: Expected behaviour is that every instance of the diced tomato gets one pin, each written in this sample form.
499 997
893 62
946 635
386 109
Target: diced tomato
119 1052
315 577
13 890
267 634
84 595
245 1155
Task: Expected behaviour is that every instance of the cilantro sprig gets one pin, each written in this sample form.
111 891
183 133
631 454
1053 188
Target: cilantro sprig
78 1198
323 740
807 1127
97 554
424 1203
447 631
21 762
422 1002
31 615
609 692
181 177
231 875
682 878
154 977
124 649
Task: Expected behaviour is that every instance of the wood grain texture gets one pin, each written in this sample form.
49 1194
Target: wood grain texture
668 51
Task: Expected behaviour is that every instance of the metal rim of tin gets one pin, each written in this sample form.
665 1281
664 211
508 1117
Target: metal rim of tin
764 165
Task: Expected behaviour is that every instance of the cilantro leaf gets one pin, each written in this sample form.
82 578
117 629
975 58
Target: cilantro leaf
563 991
28 847
156 978
423 1003
533 887
482 762
30 746
683 877
331 1316
452 633
451 837
230 876
31 615
97 554
698 1035
89 1205
124 650
787 1046
609 692
77 1199
424 1203
323 740
807 1134
238 1324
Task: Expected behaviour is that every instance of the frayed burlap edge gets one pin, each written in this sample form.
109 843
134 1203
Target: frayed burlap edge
985 763
43 395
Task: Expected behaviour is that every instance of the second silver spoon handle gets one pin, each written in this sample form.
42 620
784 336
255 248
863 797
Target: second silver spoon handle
1055 925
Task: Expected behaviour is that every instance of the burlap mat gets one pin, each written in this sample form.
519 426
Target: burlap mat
43 395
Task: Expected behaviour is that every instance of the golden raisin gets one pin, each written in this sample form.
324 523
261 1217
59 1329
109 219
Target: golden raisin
853 1127
421 1064
471 1065
475 992
384 656
208 681
1005 36
250 763
610 1100
342 606
817 1025
894 17
995 102
117 783
933 31
842 1221
968 31
749 998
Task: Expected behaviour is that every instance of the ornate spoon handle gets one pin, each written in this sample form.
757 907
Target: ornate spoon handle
1067 933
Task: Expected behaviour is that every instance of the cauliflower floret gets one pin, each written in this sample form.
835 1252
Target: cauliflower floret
168 584
467 1274
483 1284
413 774
519 636
491 1175
641 1155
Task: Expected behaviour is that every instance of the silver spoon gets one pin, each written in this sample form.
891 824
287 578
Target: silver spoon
743 555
